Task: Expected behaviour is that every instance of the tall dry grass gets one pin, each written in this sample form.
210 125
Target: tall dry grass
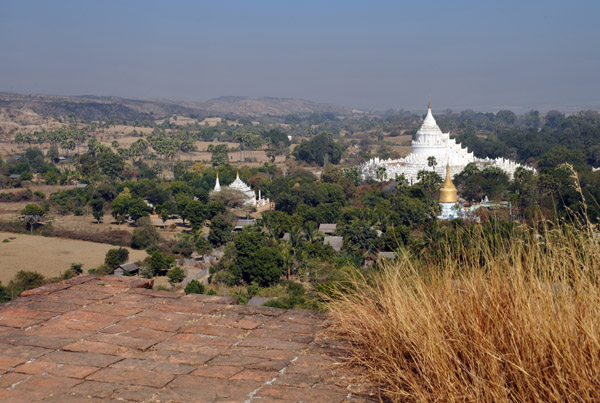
492 318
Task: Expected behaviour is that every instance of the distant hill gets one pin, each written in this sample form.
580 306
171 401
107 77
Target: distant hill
90 107
245 106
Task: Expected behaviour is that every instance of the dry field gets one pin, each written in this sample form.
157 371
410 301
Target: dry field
50 256
402 150
404 139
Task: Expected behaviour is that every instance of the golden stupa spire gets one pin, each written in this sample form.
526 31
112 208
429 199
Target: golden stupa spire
237 173
448 190
429 106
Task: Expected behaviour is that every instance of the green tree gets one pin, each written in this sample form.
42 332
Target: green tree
219 154
116 257
120 207
111 164
33 215
97 208
195 212
220 230
431 162
202 245
144 234
138 208
318 149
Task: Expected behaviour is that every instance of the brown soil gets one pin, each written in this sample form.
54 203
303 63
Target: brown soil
50 256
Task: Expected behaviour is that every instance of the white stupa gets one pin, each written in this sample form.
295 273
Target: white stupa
430 141
241 186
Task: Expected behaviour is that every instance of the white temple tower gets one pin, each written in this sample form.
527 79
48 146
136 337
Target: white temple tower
429 142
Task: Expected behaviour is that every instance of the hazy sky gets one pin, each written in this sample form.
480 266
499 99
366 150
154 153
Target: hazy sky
370 54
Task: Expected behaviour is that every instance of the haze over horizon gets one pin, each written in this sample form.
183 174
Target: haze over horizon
465 54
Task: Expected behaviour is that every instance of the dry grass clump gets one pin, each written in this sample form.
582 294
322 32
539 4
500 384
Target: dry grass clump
489 319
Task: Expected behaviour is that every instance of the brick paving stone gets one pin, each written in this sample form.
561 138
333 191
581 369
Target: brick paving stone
36 387
68 398
104 339
115 340
211 298
269 365
132 377
200 339
298 380
247 324
155 365
193 389
45 289
181 357
79 358
261 353
157 294
141 301
160 320
188 307
217 371
293 394
98 347
278 325
10 362
85 296
199 327
113 308
56 331
255 375
119 328
56 307
107 390
272 344
41 367
102 287
17 320
258 310
26 352
124 282
12 378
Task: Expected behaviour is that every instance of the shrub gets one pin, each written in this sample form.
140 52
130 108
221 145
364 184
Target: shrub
25 280
102 269
194 287
160 264
77 267
183 247
144 235
176 275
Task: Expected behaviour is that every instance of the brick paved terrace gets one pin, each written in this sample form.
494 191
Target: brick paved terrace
105 339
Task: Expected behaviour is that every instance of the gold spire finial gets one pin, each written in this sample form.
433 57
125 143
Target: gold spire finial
217 174
448 190
429 106
237 173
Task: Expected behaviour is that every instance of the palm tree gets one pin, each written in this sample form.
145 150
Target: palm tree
431 162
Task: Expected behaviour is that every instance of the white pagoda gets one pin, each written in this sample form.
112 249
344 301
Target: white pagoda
241 186
430 141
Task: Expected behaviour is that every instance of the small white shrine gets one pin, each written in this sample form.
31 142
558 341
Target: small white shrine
241 186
